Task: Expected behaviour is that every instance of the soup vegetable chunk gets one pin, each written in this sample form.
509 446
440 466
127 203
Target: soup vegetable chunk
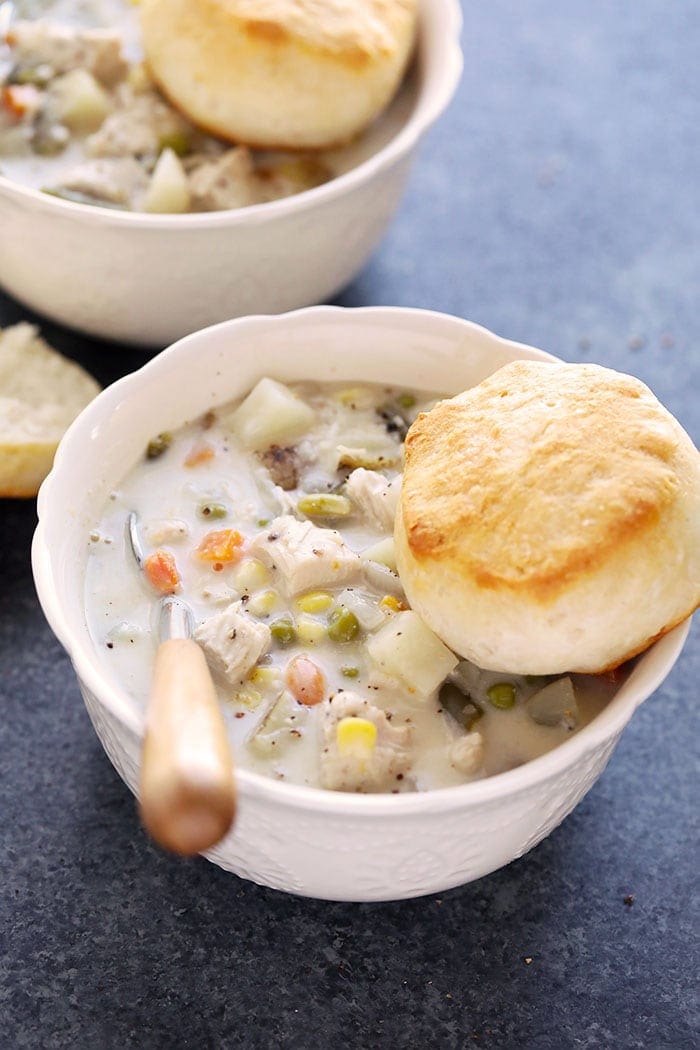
273 519
81 119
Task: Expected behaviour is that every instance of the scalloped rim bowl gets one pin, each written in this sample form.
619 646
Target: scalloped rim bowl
305 840
150 279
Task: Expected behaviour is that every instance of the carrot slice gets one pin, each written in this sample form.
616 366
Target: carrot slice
161 571
305 681
201 452
19 99
221 545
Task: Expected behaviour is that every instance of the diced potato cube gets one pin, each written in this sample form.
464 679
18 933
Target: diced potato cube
382 552
80 102
270 415
168 191
407 649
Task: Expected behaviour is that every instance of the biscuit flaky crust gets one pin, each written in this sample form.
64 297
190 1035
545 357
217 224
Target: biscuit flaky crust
287 74
355 29
547 488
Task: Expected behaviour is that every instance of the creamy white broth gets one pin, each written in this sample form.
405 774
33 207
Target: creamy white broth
122 607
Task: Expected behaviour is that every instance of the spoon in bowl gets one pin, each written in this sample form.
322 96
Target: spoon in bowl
187 791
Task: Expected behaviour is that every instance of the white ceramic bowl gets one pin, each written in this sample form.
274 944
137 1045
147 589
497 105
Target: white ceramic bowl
150 279
300 839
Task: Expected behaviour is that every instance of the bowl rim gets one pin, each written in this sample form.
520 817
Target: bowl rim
434 96
603 730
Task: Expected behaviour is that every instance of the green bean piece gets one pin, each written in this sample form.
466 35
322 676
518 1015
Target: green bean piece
471 715
502 695
343 625
461 707
324 505
158 445
50 141
39 75
283 631
212 510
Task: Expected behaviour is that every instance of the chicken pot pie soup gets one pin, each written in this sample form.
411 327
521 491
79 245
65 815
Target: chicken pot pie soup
82 119
272 517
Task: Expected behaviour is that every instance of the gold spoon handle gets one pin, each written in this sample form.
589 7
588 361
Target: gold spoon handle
187 793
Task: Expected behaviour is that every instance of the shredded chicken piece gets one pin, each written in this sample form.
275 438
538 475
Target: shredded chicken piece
383 768
233 642
303 555
112 180
375 496
142 124
65 48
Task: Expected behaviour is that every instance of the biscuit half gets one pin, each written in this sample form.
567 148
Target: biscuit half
550 519
279 74
41 392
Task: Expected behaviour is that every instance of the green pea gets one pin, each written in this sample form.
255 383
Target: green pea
350 672
406 400
343 625
212 510
502 695
283 631
158 445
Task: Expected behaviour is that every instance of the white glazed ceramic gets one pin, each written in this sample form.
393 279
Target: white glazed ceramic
150 279
304 840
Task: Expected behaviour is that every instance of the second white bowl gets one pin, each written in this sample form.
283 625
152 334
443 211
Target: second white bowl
150 279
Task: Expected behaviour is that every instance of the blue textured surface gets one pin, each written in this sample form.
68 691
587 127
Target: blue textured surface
557 203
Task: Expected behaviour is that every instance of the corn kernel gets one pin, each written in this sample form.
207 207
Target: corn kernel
314 602
356 737
247 696
355 396
251 575
310 631
392 603
265 677
264 603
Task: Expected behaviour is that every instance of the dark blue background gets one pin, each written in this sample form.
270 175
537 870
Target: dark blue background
557 203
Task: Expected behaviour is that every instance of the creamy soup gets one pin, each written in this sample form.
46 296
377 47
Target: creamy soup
272 518
81 119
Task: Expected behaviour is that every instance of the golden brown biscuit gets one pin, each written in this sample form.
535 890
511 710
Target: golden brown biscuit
282 74
41 393
550 519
